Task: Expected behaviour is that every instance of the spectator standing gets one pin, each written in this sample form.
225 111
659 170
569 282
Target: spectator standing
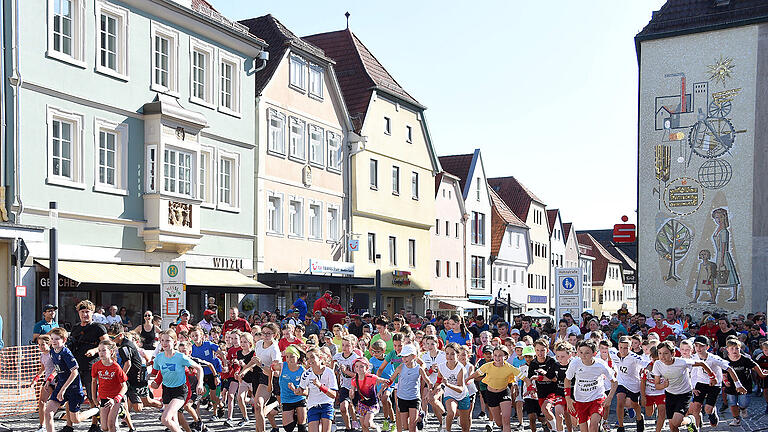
356 326
235 322
148 331
47 323
661 328
113 317
526 329
723 332
183 324
300 305
335 313
124 317
98 316
290 318
207 322
319 320
310 328
321 304
573 328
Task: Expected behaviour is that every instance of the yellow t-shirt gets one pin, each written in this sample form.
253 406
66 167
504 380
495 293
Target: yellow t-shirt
498 377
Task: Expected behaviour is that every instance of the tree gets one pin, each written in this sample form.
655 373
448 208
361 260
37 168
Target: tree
673 242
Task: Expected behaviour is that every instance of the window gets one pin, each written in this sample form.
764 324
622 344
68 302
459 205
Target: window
316 81
315 221
202 73
374 174
458 270
514 276
447 269
478 272
335 153
112 44
275 213
456 230
111 163
229 83
276 132
478 228
437 268
506 275
316 154
65 148
408 134
333 223
415 185
447 229
207 177
392 251
297 148
372 247
296 217
517 239
478 188
412 252
298 72
437 226
387 126
395 180
165 58
150 178
66 30
229 169
177 171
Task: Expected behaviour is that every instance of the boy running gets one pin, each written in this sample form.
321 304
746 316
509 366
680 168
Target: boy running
584 387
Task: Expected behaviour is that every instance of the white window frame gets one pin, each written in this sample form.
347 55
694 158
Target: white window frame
395 180
121 61
412 253
387 126
207 169
237 66
77 58
77 120
158 30
276 196
121 156
197 46
296 137
319 234
438 266
295 61
273 147
335 151
193 160
234 158
316 155
408 134
299 213
334 224
151 170
315 92
373 174
414 185
392 243
371 247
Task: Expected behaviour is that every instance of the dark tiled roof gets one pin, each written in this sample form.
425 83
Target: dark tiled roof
358 72
567 230
514 194
605 237
458 165
279 39
600 254
501 217
551 218
691 16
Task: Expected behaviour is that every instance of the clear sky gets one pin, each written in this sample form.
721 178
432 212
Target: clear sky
546 89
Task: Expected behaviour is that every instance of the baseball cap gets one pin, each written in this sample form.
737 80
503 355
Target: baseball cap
183 312
529 351
407 350
487 349
703 340
49 307
710 318
514 331
328 334
520 345
366 315
209 312
604 322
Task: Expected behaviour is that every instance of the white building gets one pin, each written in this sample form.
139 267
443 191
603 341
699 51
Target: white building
510 256
557 251
585 262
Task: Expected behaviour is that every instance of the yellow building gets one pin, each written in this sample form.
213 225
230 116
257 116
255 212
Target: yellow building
392 202
607 285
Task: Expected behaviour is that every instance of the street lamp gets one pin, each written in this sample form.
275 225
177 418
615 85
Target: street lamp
53 244
378 285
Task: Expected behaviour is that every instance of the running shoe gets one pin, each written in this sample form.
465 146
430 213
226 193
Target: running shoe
735 422
41 429
620 429
714 419
94 428
481 415
356 425
420 421
230 423
744 413
220 413
488 428
275 430
631 413
67 429
692 424
385 424
244 422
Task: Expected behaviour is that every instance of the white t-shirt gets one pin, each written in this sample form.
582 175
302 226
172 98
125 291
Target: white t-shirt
345 363
715 362
451 376
574 329
650 386
588 381
471 388
678 374
267 355
429 361
113 319
628 370
316 397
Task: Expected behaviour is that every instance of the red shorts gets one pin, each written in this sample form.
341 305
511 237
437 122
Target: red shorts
554 399
655 400
584 410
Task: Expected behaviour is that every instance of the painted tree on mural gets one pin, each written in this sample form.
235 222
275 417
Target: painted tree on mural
673 242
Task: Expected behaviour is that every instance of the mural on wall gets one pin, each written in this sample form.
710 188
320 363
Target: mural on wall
693 155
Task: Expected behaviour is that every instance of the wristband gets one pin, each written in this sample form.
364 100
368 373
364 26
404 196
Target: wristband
438 380
713 376
118 398
323 388
568 392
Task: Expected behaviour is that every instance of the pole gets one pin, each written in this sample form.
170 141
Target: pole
509 307
378 292
17 277
53 269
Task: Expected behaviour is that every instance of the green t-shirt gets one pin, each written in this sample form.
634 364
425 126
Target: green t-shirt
390 345
394 359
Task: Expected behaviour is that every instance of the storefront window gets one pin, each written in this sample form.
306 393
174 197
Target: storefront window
132 301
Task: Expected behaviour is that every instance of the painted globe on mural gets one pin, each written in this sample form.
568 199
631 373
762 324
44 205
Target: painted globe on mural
715 173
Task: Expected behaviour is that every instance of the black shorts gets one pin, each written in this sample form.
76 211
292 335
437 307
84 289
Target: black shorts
677 403
531 406
293 405
344 395
136 392
171 393
85 380
275 387
404 405
226 382
707 394
633 396
494 399
210 381
259 378
103 402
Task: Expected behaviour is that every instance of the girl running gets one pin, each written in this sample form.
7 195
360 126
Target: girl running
497 375
294 406
584 387
456 331
408 397
365 382
430 359
48 372
318 384
455 396
266 358
342 362
246 379
109 381
649 396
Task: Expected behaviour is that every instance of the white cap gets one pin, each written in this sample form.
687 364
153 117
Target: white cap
407 350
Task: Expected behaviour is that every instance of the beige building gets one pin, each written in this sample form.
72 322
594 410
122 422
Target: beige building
607 277
392 178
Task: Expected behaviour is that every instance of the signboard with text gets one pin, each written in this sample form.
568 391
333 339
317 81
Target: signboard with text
332 267
568 292
173 290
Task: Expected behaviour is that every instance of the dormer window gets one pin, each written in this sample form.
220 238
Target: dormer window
298 73
316 81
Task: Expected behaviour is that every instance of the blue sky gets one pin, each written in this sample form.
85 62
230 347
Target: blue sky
546 89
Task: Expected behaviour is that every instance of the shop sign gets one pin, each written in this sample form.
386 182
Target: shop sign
227 263
332 267
44 281
173 290
21 291
401 278
537 299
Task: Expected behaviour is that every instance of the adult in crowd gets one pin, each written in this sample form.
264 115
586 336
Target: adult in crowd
310 327
478 326
235 322
99 317
184 324
124 317
429 315
319 320
661 328
47 323
84 343
356 326
526 329
502 330
725 329
321 304
573 328
676 324
148 332
335 313
617 330
710 328
113 317
207 322
640 325
290 318
300 306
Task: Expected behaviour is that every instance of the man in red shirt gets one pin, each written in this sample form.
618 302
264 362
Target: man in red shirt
661 328
321 304
709 329
335 313
235 322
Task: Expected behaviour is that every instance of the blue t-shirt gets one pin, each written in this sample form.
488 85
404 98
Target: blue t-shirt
206 351
286 377
42 327
517 362
376 364
172 368
301 305
64 362
451 336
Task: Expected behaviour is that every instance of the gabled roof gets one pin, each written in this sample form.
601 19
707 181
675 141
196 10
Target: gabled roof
359 73
458 165
678 17
280 39
514 194
501 217
600 254
605 237
551 219
567 230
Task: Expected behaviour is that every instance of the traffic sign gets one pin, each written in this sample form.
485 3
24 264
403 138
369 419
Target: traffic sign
21 290
624 232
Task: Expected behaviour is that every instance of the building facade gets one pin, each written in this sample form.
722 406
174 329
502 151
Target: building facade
586 263
510 257
607 278
557 251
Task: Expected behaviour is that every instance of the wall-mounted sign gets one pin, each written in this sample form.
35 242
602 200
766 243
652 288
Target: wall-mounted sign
537 299
353 245
568 293
400 278
173 290
332 267
227 263
306 176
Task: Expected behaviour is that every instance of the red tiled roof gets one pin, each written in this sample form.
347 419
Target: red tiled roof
514 194
600 254
551 218
567 230
458 165
501 216
358 72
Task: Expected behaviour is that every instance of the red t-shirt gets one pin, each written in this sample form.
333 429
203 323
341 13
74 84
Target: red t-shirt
366 386
320 304
663 332
710 332
234 367
183 327
284 343
111 379
335 317
238 324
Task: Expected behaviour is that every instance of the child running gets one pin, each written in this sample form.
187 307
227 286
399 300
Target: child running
497 375
650 397
318 384
408 386
584 387
48 372
294 405
110 383
628 366
703 392
343 361
364 383
430 359
456 399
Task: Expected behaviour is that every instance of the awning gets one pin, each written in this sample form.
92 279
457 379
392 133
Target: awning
536 314
132 274
462 304
481 297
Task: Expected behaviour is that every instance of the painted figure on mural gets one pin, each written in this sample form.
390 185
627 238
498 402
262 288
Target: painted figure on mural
706 280
727 276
